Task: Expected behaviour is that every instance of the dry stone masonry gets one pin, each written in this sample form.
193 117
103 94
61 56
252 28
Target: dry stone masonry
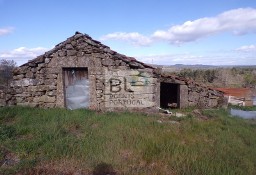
2 98
101 79
194 94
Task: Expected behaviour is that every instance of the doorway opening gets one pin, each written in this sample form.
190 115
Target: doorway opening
76 88
169 95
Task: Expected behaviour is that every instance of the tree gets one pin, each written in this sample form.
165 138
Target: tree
6 67
249 80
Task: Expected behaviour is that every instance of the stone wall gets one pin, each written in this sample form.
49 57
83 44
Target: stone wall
115 80
203 97
2 98
194 94
6 96
39 83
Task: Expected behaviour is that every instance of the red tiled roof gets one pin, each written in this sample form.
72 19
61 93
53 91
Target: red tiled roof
237 92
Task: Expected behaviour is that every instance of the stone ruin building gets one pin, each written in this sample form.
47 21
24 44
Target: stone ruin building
83 73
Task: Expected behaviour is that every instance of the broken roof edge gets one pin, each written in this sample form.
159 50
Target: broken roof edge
89 41
189 82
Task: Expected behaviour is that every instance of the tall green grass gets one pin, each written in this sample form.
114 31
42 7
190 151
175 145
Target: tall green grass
132 143
244 108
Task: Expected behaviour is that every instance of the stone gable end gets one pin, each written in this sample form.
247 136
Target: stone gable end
39 83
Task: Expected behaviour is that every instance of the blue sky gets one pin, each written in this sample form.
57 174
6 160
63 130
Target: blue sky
153 31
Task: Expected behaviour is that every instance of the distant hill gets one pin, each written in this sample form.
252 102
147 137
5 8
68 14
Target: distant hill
178 67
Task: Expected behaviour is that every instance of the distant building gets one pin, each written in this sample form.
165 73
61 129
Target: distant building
238 96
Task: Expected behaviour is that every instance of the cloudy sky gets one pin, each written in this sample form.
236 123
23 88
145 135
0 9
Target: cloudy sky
153 31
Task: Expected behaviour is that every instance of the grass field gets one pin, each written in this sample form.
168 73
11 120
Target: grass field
59 141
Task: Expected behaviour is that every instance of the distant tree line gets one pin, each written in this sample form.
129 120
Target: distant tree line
205 76
221 77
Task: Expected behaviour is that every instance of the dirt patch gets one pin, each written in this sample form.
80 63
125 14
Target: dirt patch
104 169
76 131
63 167
198 114
126 154
8 158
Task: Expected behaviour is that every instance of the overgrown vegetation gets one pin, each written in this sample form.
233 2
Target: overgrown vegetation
6 67
222 77
58 141
244 108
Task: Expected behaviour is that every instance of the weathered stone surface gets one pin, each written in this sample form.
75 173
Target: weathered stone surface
2 98
25 94
19 99
20 70
80 53
38 88
47 60
49 105
34 70
183 96
212 102
51 93
53 70
24 82
52 87
18 90
99 85
96 71
51 76
44 99
41 65
115 81
2 102
71 52
18 77
82 46
37 93
73 43
60 101
29 74
28 104
93 93
107 62
39 59
62 53
69 47
96 62
51 82
193 96
2 94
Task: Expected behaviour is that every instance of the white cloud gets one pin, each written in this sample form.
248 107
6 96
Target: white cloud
218 58
134 38
238 21
249 48
170 59
5 31
23 52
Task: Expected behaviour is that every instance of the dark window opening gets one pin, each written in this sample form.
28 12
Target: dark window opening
169 95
